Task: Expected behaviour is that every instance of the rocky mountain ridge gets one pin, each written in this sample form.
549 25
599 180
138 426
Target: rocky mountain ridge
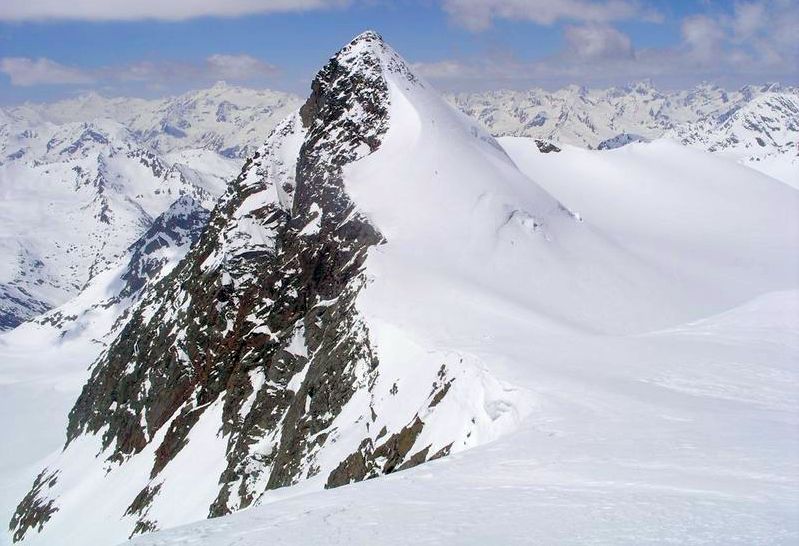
764 129
358 292
76 195
231 120
586 117
226 119
253 350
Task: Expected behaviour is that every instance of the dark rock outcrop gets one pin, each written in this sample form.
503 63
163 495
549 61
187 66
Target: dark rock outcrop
259 320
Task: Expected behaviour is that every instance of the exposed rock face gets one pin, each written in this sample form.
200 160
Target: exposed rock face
250 366
546 147
620 140
146 260
17 303
180 225
260 317
84 192
33 512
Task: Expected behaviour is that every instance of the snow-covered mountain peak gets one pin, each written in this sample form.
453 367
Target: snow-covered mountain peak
77 194
362 297
368 56
763 128
366 38
262 341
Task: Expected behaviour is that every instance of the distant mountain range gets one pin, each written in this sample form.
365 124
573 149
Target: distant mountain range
232 120
76 195
257 296
83 178
226 119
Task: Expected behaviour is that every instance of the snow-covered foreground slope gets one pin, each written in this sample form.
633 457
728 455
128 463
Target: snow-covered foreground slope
687 434
385 285
683 436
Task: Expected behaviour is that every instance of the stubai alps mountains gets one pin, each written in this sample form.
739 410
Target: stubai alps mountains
380 314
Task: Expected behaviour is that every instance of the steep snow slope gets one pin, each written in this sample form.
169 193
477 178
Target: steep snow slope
681 435
75 196
382 286
251 367
720 230
684 436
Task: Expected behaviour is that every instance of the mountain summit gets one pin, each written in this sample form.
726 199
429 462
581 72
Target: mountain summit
370 292
251 366
359 303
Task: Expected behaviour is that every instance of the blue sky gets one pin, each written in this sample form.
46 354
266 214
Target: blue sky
51 49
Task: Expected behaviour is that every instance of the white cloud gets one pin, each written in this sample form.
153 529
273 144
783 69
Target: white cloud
478 15
756 33
596 41
238 67
447 70
27 72
703 37
173 10
750 42
750 18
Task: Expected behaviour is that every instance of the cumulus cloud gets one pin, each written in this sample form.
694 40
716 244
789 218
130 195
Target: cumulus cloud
750 18
478 15
747 42
597 42
23 71
172 10
756 33
238 67
703 38
447 70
